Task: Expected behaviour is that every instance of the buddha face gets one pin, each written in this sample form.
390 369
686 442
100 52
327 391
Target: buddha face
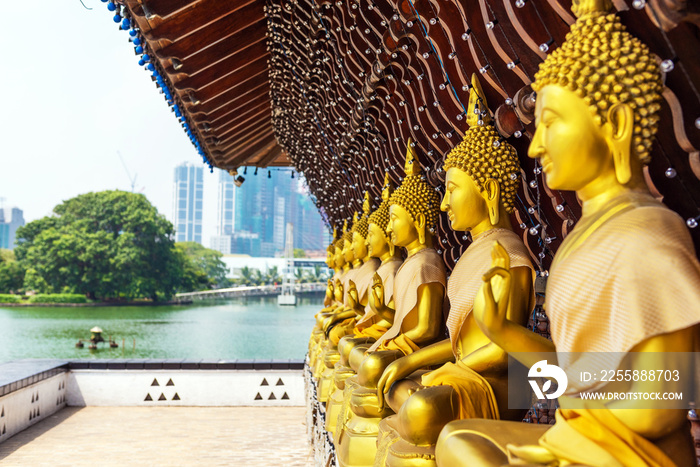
348 254
376 241
571 147
359 247
463 201
401 228
339 258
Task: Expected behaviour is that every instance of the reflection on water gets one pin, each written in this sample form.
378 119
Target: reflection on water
243 328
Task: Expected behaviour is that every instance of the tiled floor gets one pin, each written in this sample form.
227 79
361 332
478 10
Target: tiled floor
163 436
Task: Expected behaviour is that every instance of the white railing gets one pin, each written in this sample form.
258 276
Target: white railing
252 290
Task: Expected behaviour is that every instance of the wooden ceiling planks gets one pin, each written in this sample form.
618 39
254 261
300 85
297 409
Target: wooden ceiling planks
215 59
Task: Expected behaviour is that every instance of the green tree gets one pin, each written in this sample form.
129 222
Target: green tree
11 273
207 262
106 245
273 276
258 277
246 278
299 253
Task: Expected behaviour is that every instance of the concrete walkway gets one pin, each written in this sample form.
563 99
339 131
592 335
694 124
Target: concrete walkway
163 436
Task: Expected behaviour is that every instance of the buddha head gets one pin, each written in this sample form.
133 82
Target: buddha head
378 243
348 254
360 230
413 207
598 96
481 172
330 251
339 256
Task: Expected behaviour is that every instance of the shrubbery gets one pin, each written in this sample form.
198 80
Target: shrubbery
57 298
9 298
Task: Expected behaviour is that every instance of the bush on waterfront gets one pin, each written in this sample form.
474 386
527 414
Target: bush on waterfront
104 245
9 298
57 298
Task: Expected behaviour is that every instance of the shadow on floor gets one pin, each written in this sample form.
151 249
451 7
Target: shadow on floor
22 438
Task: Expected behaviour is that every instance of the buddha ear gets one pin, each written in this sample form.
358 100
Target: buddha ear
492 196
621 126
420 227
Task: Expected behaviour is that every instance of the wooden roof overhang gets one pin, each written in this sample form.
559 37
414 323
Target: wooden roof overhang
347 83
214 57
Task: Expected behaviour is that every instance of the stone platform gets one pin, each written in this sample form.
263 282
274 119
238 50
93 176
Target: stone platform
163 436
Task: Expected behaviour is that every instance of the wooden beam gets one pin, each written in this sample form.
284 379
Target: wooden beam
218 79
224 98
164 8
229 112
260 154
188 43
244 127
225 127
239 157
266 159
211 93
203 13
249 140
238 47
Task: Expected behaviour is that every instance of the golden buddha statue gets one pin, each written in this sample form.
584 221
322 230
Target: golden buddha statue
340 321
330 302
316 358
419 286
358 302
472 381
372 325
625 280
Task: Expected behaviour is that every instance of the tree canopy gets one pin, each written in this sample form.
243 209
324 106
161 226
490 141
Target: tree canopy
106 245
209 270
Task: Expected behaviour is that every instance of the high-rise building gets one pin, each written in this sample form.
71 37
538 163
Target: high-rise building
264 204
188 193
223 241
226 196
10 220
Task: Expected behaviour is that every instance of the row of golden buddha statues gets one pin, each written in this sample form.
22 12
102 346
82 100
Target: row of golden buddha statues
626 279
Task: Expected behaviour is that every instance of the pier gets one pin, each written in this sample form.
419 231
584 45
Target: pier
250 291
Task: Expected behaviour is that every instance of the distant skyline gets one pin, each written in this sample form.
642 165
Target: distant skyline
73 96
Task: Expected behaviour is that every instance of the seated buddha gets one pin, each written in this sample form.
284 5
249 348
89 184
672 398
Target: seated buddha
322 319
626 280
372 324
472 381
341 320
419 286
359 284
330 303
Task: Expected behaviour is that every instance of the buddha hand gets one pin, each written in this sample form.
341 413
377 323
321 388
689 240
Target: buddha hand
491 303
377 299
353 299
395 371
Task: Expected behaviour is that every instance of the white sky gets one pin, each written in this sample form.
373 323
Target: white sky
72 96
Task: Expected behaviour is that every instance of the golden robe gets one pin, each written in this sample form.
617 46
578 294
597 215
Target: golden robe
476 398
625 273
424 267
362 277
367 325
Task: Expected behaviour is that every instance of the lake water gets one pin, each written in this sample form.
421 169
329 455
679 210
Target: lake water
243 328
